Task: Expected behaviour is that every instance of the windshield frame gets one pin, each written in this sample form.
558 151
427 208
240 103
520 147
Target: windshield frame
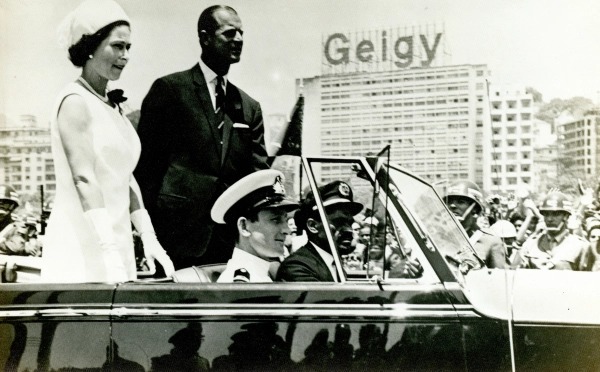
432 245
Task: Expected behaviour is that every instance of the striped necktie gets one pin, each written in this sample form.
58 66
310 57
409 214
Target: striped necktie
220 103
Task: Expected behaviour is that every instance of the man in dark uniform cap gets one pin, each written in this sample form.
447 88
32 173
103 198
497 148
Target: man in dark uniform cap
465 200
314 261
257 207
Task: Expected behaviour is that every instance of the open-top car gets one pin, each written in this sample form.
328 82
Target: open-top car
456 314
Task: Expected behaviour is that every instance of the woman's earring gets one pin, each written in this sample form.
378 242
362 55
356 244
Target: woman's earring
90 56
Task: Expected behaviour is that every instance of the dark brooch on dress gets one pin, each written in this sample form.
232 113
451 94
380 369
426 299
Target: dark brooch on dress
116 96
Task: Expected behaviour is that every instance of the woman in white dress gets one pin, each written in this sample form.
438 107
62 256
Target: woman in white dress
95 150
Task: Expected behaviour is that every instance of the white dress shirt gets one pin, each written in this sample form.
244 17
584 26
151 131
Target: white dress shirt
328 259
211 81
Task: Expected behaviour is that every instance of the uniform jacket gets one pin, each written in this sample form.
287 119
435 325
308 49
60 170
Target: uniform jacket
490 248
257 268
183 166
304 265
570 248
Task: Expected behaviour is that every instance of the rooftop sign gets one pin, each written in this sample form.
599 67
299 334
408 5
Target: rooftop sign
382 50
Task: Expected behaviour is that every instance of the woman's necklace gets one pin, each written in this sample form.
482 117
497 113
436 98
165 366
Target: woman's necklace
89 87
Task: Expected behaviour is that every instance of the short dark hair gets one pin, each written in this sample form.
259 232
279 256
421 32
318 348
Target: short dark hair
80 51
251 215
207 21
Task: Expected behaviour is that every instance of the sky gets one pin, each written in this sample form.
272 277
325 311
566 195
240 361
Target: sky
551 45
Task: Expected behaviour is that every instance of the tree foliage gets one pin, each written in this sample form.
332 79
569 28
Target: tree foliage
537 96
576 107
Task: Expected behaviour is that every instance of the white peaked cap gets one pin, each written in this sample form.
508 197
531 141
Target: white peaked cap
259 190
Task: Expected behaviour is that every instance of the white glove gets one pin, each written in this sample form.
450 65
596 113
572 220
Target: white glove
99 220
152 248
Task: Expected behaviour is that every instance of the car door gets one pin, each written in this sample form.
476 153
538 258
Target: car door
367 321
556 320
47 327
479 295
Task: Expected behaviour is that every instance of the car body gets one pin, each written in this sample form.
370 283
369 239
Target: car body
457 315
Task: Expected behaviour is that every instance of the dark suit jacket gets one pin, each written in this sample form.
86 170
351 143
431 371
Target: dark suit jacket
183 167
304 265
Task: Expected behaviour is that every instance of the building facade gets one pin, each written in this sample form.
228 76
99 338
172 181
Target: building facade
512 140
25 156
436 119
579 155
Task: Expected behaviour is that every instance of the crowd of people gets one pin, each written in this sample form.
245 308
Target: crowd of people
193 183
516 232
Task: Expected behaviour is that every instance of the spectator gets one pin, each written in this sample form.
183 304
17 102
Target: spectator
590 259
17 235
508 233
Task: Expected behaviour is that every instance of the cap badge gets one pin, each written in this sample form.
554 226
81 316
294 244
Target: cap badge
344 189
278 186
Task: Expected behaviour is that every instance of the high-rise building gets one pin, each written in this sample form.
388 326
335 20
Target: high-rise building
512 140
579 146
433 118
25 156
393 87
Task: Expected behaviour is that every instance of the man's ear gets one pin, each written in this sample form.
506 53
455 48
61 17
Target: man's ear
242 223
203 36
313 225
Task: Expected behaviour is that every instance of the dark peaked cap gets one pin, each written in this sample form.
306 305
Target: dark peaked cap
336 193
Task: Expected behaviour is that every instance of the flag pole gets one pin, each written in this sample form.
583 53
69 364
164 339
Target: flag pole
301 94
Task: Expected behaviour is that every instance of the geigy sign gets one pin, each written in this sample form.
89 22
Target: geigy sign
401 50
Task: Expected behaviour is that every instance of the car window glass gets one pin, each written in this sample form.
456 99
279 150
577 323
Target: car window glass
433 217
381 239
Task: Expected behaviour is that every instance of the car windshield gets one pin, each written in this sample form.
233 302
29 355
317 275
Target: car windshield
431 214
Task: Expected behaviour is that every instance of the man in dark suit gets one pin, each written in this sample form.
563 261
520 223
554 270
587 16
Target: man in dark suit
199 134
314 262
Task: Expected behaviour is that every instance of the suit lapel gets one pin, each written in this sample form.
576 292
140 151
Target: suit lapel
323 269
206 106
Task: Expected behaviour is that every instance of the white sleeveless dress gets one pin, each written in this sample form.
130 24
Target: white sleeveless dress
71 250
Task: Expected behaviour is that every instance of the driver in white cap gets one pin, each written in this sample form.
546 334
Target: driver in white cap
258 207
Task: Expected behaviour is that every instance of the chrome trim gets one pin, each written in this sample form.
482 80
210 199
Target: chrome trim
17 314
262 312
394 311
337 307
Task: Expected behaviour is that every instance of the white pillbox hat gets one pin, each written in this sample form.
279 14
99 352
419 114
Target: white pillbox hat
89 17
